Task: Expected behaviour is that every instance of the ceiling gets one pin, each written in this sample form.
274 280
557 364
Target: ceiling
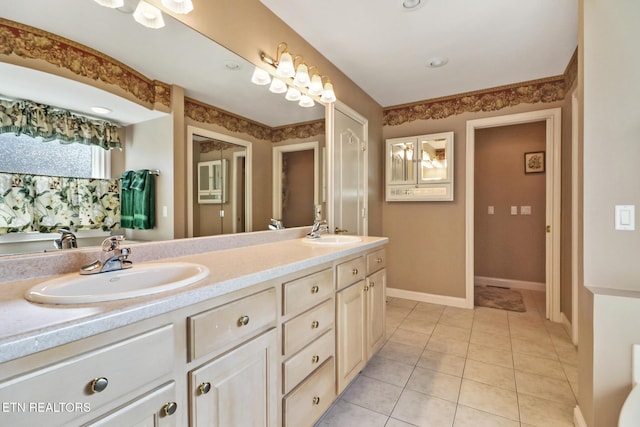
386 50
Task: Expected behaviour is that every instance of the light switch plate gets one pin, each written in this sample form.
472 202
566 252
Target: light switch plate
525 210
490 210
514 210
625 217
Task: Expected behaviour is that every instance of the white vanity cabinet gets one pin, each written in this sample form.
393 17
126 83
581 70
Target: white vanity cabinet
236 387
308 343
115 383
360 313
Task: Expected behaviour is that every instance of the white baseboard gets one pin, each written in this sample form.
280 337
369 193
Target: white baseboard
578 419
430 298
509 283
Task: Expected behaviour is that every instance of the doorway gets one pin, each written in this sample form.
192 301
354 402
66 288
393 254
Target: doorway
552 120
509 214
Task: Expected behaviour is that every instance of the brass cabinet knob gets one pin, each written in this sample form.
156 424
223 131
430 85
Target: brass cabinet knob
243 321
169 408
204 388
372 284
366 288
315 324
354 271
316 400
315 289
315 358
99 384
379 260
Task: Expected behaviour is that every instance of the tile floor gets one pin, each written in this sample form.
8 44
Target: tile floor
444 366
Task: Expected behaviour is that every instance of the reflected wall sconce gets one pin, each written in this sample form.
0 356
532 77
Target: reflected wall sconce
289 74
146 14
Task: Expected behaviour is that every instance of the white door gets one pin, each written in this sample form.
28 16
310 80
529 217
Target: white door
349 184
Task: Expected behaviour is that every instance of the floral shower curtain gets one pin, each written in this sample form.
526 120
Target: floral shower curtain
47 203
49 123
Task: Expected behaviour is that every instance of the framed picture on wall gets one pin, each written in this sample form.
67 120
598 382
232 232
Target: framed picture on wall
534 162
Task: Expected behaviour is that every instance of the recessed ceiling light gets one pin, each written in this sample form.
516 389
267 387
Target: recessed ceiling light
437 62
232 65
412 4
101 110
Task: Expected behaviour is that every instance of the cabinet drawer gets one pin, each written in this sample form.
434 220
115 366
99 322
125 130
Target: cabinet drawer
308 402
122 368
232 323
350 272
306 291
376 260
309 358
155 408
305 328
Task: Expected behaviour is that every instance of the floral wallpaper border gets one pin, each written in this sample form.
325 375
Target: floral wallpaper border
544 90
204 113
32 43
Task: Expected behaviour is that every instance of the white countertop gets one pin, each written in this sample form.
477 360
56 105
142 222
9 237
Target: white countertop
26 327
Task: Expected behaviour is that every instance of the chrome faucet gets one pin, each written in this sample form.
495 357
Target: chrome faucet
275 224
115 258
318 228
67 240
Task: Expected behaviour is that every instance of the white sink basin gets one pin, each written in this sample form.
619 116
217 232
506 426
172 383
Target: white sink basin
333 240
139 280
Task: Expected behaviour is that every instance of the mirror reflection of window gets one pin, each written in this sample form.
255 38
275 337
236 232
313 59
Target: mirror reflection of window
433 161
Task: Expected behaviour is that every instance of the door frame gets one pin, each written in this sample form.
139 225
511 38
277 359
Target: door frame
277 173
552 118
194 130
330 126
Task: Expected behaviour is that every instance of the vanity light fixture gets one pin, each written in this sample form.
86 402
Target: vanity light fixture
178 6
299 83
148 15
113 4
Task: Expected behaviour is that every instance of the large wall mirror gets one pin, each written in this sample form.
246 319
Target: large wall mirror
210 75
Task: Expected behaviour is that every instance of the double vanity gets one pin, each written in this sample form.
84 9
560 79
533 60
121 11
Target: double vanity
270 337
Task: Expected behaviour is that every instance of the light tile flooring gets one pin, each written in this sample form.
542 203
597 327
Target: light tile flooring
444 366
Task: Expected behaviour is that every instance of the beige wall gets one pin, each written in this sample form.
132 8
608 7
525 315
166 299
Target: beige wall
609 87
298 188
509 246
429 237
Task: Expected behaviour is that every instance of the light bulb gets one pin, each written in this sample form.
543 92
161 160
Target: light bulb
260 77
178 6
328 95
278 86
293 94
315 87
148 15
306 101
285 66
302 76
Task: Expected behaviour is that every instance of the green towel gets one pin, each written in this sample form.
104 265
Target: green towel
144 199
126 201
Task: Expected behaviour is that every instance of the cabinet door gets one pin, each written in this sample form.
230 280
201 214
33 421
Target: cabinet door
376 290
351 351
402 154
238 388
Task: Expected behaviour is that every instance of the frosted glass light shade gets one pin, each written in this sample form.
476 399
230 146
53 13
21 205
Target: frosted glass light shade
328 95
260 77
148 15
293 94
278 86
178 6
285 66
315 87
110 3
302 76
306 101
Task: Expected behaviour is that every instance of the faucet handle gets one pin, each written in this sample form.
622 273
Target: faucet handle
112 243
